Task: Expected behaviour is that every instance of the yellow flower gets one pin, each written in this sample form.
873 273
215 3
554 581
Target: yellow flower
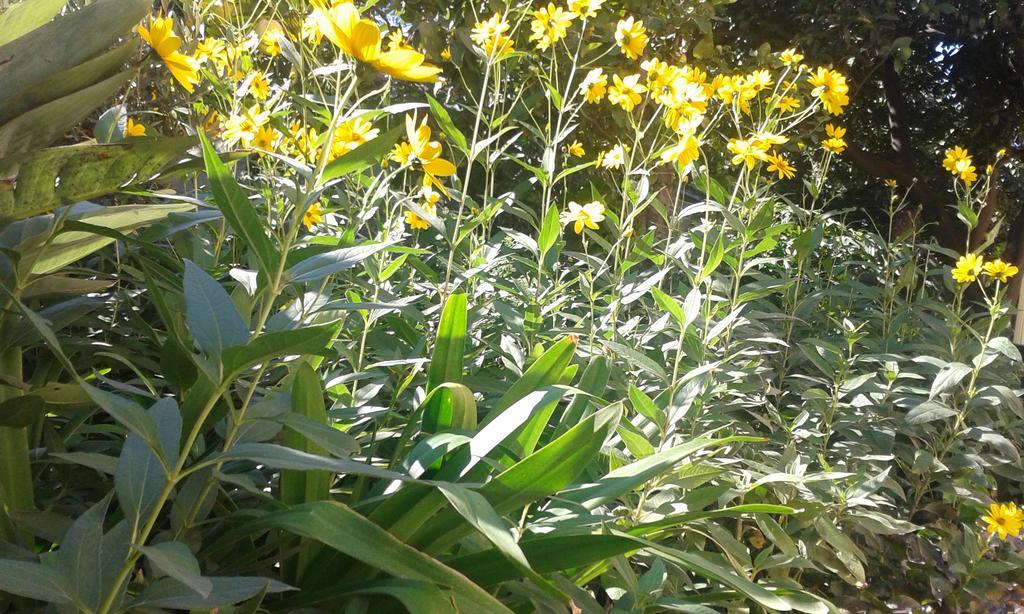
419 148
576 149
360 39
313 216
271 33
1004 520
745 152
759 80
396 40
890 183
1000 270
790 57
549 25
351 134
631 37
428 206
778 164
131 128
684 153
626 92
311 29
613 158
831 89
265 139
259 86
835 142
967 268
446 54
960 164
580 216
787 104
490 35
243 128
213 50
594 86
585 8
161 37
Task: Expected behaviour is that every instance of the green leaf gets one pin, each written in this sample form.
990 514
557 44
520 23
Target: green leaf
414 595
237 209
449 406
34 581
545 371
550 229
26 16
949 376
444 121
129 414
225 591
637 358
210 314
338 527
319 266
298 341
446 362
282 457
90 559
364 156
929 411
140 476
307 402
177 561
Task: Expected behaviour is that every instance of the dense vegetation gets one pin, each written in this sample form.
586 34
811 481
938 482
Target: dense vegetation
551 316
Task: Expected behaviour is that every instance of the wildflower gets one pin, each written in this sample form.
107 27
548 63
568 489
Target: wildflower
790 57
745 152
835 142
311 29
1004 520
131 128
420 148
831 89
1000 270
580 216
684 153
594 86
265 138
549 25
787 104
396 41
585 8
1001 152
490 35
967 268
960 164
890 183
351 134
313 216
161 37
259 86
212 50
271 33
758 80
576 149
765 139
626 92
631 37
414 221
446 54
243 128
360 39
778 164
613 158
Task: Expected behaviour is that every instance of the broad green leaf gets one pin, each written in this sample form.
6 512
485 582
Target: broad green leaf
177 561
298 341
225 591
130 415
550 229
338 527
449 406
319 266
239 212
446 363
212 317
545 371
929 411
364 156
33 580
26 16
91 559
415 595
140 474
948 376
444 121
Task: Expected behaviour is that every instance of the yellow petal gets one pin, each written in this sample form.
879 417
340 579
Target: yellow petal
439 168
365 40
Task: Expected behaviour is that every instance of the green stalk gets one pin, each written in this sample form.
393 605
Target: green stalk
15 471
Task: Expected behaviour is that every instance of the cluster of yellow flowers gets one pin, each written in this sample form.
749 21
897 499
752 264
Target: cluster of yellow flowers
835 142
418 150
1004 520
970 266
960 164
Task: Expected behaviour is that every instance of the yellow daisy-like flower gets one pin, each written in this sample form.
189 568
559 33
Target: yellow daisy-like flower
214 51
631 37
414 221
684 153
360 38
787 104
313 216
831 89
242 128
594 86
585 8
446 54
745 152
420 148
161 37
583 216
490 36
549 25
1004 520
626 92
266 138
790 57
576 149
132 129
260 86
271 34
960 164
835 142
311 29
967 268
890 183
999 270
351 134
778 164
613 158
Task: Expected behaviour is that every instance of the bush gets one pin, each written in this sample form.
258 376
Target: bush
541 323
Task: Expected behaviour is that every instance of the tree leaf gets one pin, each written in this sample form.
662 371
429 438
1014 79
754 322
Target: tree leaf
928 412
210 314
